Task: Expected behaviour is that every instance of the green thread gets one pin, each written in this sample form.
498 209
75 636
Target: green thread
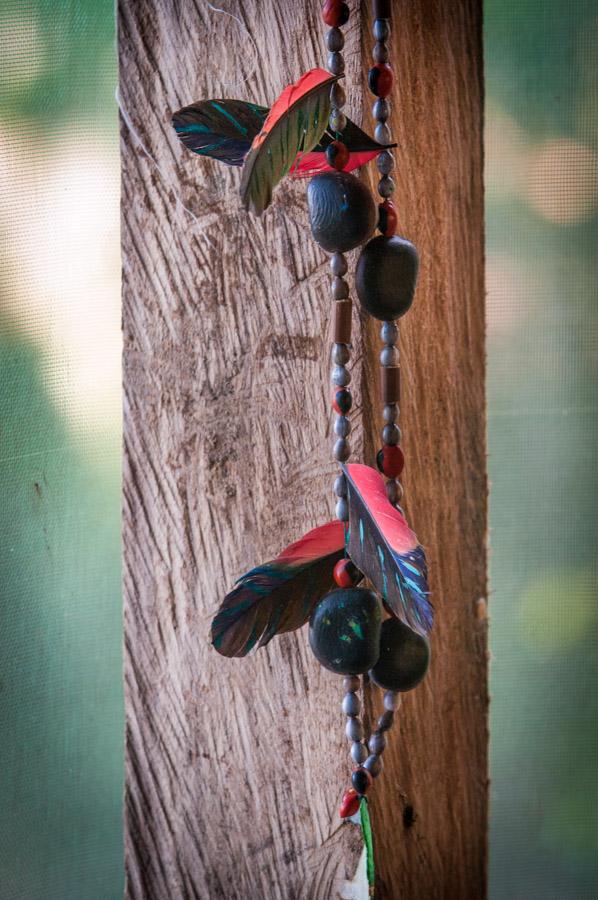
366 828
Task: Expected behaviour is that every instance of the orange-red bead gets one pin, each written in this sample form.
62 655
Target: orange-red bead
390 461
342 401
335 13
387 221
337 155
346 574
381 79
349 804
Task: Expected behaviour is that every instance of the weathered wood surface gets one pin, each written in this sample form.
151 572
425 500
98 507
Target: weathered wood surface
235 768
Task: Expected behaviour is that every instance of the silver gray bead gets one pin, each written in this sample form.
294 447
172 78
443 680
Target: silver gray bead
382 133
340 489
392 701
381 29
377 743
380 53
391 435
386 186
342 450
394 491
385 162
337 121
351 682
342 427
339 288
340 354
389 333
389 356
374 765
338 97
336 63
385 721
354 730
390 412
351 704
335 40
359 752
338 264
381 111
340 376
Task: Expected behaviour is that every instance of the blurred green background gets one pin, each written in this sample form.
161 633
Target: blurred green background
61 754
61 704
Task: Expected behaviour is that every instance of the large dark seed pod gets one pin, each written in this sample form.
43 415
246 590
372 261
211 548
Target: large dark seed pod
404 657
386 275
344 630
342 213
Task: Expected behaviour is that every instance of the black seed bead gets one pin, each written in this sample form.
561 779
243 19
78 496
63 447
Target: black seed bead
361 780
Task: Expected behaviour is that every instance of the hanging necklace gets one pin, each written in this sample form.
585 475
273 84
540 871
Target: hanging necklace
318 578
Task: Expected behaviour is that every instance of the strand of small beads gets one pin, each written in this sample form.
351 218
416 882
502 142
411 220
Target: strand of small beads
390 459
336 15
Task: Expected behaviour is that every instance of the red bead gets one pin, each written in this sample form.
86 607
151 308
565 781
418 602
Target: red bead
337 155
387 221
349 804
342 401
346 574
335 13
390 461
381 79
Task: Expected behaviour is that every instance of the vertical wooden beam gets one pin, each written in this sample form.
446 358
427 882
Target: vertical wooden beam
235 768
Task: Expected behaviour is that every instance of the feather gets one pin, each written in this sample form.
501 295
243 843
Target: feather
295 124
220 129
386 550
362 148
279 595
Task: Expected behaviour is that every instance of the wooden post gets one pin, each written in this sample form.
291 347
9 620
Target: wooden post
235 768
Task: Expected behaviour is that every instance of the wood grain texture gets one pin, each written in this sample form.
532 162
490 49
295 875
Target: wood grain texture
235 768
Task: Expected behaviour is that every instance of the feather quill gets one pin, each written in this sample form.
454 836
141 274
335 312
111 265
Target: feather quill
386 550
278 596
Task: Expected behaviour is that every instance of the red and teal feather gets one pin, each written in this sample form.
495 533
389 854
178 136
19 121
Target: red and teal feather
386 550
278 596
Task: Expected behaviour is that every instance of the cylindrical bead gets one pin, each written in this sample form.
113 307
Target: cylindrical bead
354 730
390 383
381 9
351 704
342 321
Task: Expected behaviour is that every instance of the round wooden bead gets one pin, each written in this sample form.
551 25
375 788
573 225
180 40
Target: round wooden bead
342 213
340 354
387 218
346 574
382 133
338 96
351 705
377 743
381 29
335 40
390 461
386 275
342 450
340 376
361 780
381 111
385 161
344 632
337 121
386 186
337 155
389 356
391 701
374 765
404 657
353 728
391 434
338 264
381 79
359 752
342 401
335 13
336 65
385 721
